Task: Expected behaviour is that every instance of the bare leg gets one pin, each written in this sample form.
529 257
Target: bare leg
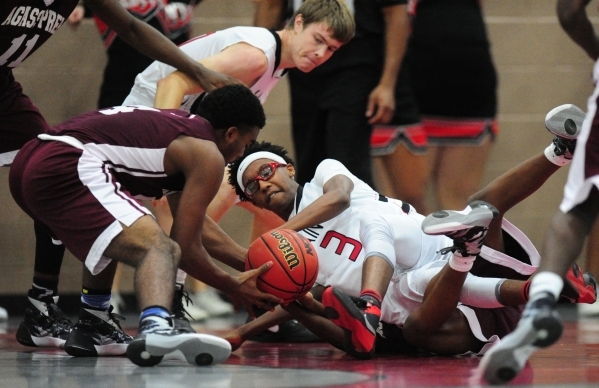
155 257
376 275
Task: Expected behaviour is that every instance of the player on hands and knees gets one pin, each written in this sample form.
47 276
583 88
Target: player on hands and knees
147 153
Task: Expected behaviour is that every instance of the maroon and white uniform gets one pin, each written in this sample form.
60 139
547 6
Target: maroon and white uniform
24 26
81 182
584 170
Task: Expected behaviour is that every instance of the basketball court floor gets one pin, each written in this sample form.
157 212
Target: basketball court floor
572 362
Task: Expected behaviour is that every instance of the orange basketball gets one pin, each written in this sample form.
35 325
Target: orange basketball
295 263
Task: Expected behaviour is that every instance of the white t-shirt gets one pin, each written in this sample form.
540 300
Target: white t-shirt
204 46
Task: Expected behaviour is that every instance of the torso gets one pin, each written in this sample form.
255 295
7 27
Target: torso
132 143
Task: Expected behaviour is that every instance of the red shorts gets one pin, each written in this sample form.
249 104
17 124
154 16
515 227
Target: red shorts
20 120
431 132
68 191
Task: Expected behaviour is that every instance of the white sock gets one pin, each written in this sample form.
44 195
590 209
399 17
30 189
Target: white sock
181 276
558 160
545 282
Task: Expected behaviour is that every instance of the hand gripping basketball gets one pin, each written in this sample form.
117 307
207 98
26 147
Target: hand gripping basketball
295 263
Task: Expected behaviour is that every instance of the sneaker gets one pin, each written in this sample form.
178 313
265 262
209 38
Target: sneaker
97 333
467 228
44 325
539 327
579 287
357 317
209 301
179 313
565 122
3 314
153 343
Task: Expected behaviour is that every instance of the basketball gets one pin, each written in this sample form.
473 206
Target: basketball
295 263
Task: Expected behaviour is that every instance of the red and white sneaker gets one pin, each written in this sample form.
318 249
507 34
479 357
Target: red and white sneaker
579 287
358 317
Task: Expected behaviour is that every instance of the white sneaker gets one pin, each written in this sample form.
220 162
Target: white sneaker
3 314
588 310
209 301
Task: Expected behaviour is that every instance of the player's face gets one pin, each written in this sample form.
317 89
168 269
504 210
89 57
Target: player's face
235 142
312 45
275 188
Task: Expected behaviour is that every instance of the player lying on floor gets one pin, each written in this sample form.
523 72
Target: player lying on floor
424 291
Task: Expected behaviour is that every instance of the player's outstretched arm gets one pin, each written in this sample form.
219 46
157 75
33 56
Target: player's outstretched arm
147 40
575 21
243 62
335 199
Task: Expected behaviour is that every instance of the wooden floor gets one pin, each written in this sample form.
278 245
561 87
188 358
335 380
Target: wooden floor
573 361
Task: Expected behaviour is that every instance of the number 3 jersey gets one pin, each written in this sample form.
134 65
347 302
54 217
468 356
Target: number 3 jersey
372 225
25 25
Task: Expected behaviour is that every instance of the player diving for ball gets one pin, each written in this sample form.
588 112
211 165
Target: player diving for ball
455 281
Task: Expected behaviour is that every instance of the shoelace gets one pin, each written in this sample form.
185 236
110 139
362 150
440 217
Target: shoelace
564 147
116 318
467 241
178 308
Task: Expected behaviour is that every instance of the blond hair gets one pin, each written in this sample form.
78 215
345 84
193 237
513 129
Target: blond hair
334 13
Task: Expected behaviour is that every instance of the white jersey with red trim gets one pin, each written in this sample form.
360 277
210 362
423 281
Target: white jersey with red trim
372 225
204 46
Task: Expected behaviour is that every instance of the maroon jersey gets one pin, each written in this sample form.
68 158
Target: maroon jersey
25 25
132 141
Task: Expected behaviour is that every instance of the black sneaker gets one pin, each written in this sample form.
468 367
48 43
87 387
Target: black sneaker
44 325
467 228
539 327
179 314
155 343
97 333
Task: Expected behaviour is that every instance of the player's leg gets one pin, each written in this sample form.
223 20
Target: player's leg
509 189
97 331
43 324
540 325
592 266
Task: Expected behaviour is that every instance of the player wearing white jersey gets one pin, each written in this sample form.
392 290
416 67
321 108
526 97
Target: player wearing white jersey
207 45
370 225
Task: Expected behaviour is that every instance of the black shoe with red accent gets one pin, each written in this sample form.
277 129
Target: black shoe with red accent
579 287
358 317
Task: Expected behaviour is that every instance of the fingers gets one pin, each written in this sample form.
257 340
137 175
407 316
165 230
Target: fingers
263 268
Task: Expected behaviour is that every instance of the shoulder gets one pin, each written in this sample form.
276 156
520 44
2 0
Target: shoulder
189 154
328 168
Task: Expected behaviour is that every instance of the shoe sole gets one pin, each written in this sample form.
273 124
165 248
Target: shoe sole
195 348
504 362
565 121
445 221
81 345
25 338
335 302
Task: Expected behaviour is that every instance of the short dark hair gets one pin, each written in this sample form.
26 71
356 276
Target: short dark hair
232 106
256 147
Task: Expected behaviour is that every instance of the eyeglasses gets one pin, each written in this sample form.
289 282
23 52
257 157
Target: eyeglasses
266 172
